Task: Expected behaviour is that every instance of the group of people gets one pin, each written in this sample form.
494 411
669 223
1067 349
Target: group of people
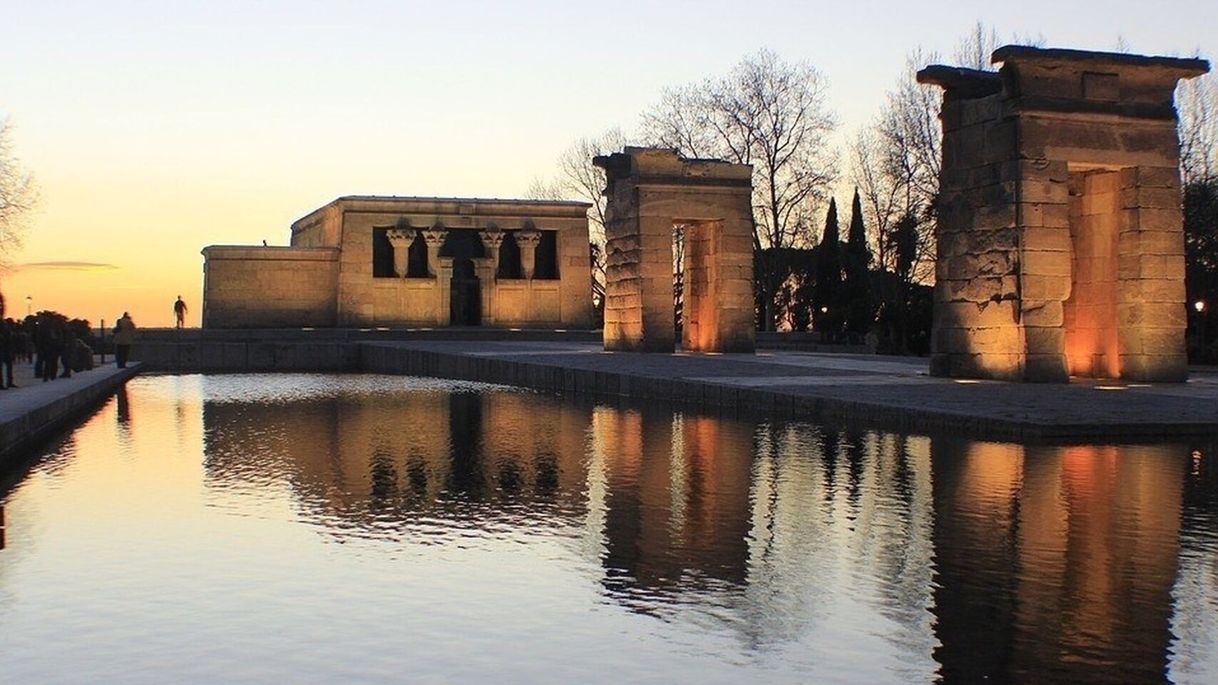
14 347
58 346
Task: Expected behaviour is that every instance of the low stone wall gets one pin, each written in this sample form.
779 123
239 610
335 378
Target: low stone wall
297 349
54 406
196 350
201 356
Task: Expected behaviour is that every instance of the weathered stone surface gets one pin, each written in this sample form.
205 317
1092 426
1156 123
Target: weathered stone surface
1043 312
1059 229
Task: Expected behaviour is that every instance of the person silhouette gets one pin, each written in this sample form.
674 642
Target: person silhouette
179 312
124 336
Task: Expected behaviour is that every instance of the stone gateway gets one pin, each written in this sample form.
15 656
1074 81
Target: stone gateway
410 261
1060 235
650 190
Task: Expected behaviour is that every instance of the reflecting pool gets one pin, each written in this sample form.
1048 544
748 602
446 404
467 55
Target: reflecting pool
325 528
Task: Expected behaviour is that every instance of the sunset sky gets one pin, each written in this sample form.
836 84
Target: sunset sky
157 128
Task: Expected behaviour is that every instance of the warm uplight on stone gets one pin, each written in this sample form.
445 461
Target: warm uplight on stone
1060 236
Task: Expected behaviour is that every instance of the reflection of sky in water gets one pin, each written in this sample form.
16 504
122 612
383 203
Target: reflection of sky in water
331 528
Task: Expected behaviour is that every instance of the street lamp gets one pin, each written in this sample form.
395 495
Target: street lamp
29 305
1199 305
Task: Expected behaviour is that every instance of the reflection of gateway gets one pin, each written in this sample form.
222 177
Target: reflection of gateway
409 261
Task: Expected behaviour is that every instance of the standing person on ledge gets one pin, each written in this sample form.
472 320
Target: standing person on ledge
179 312
124 335
47 342
8 349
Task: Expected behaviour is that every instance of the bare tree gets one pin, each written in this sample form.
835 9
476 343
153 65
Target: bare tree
880 194
771 114
909 154
1197 104
18 194
974 50
766 112
577 178
896 164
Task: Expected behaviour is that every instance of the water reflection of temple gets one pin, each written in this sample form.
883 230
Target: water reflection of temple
968 559
371 459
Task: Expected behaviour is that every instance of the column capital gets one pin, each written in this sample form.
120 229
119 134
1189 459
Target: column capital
528 237
434 237
401 237
492 238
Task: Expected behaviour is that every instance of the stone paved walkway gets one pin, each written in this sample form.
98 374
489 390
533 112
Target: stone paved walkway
36 408
881 389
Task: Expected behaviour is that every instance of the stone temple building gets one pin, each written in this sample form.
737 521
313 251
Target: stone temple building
1060 241
410 261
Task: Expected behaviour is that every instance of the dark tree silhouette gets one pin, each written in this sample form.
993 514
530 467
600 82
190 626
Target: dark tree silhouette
857 295
1201 271
827 297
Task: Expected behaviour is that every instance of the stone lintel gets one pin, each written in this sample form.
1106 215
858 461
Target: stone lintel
961 82
1171 67
665 166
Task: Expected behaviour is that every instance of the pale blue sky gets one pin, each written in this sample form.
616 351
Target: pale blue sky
166 126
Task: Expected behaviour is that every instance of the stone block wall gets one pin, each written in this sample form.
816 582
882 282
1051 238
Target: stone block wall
260 287
525 303
977 326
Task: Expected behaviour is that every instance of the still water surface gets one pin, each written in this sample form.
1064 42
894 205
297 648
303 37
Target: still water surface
313 528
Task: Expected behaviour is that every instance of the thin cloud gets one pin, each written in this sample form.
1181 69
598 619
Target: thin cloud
66 266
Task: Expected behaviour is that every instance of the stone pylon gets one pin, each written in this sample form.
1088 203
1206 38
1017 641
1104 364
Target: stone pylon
1060 244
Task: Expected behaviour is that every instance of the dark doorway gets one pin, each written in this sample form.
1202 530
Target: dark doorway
465 299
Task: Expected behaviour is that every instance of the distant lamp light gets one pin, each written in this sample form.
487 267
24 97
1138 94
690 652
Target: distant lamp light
1199 305
824 310
29 305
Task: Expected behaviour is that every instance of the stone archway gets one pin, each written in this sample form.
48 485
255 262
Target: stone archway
1060 237
649 191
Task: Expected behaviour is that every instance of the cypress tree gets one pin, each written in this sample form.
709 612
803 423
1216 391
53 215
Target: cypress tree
827 297
857 298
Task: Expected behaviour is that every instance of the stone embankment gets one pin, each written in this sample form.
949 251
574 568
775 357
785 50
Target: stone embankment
337 349
35 410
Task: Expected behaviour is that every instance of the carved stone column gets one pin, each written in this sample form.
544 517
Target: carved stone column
527 241
492 239
400 239
487 267
434 237
443 271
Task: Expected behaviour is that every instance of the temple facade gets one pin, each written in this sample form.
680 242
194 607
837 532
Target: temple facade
410 262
